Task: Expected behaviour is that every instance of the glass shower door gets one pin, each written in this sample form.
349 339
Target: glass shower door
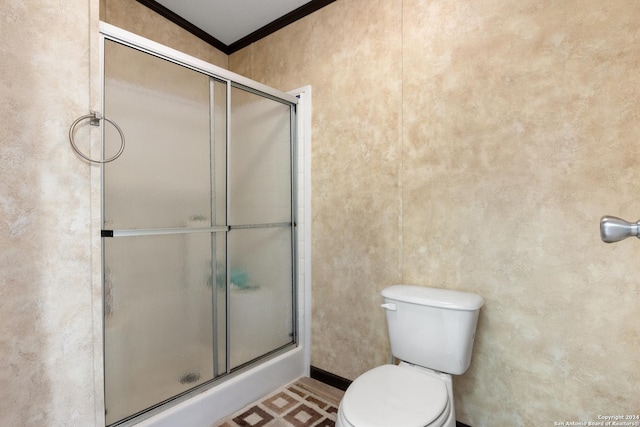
261 227
198 230
165 239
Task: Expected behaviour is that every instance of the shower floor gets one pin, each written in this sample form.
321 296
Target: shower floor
303 403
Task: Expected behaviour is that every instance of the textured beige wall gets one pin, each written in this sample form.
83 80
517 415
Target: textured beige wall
356 160
474 145
46 301
136 18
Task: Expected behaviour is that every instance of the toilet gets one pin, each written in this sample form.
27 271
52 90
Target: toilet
431 332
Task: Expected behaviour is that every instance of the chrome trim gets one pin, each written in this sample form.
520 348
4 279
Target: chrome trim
164 231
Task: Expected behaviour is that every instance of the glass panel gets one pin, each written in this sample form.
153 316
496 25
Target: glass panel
261 309
163 178
259 159
158 317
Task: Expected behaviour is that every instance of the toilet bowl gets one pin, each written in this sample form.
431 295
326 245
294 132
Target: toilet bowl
401 395
431 332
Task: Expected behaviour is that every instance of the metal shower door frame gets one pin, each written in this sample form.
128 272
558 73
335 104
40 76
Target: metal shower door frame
109 32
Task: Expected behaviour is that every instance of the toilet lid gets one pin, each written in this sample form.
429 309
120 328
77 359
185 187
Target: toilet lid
393 396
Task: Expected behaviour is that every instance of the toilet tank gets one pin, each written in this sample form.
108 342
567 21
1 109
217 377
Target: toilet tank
430 327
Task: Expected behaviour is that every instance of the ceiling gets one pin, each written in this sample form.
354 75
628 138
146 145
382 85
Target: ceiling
230 25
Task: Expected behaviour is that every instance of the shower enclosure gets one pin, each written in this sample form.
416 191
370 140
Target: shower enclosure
198 226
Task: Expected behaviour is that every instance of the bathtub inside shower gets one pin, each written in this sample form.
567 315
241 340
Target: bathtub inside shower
204 409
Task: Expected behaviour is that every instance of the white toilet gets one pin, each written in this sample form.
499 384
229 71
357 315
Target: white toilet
432 332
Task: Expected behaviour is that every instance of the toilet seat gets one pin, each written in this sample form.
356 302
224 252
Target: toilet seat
391 395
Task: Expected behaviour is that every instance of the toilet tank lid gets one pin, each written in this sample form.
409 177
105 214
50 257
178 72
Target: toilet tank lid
434 297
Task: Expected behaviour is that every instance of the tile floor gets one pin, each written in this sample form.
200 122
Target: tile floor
303 403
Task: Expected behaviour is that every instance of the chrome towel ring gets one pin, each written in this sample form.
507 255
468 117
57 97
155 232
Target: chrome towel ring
95 118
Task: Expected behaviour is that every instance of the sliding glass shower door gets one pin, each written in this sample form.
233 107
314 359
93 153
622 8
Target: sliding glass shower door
197 230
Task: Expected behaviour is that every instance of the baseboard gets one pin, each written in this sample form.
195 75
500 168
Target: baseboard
328 378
